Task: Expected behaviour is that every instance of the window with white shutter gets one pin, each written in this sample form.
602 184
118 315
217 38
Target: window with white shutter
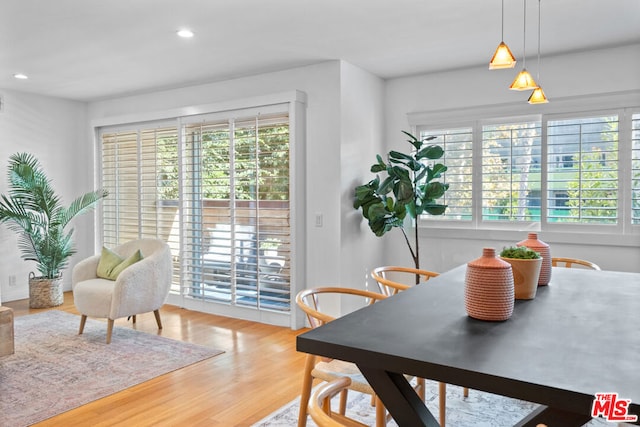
511 171
582 172
217 190
458 156
635 169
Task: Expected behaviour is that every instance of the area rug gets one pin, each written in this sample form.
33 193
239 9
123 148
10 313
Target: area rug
54 369
478 410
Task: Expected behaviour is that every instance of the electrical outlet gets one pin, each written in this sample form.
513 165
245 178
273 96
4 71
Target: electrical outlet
12 281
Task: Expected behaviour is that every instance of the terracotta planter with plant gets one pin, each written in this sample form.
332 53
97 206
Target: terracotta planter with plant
525 264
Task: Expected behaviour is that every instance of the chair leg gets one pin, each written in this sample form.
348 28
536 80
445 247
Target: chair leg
381 413
83 320
442 399
465 392
307 383
422 388
343 402
158 321
134 319
109 330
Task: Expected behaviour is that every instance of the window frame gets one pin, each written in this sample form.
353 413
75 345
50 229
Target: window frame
622 104
294 103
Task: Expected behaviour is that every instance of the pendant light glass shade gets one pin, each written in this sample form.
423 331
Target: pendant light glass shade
502 58
537 97
523 81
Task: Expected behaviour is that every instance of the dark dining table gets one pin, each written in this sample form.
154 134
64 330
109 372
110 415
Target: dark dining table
578 337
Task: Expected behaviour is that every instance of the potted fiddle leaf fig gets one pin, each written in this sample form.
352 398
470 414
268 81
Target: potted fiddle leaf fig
525 264
410 186
33 210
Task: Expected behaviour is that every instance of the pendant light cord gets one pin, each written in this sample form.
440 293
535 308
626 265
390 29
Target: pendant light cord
524 37
538 41
502 31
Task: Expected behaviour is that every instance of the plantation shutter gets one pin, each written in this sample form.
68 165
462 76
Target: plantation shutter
582 172
511 172
635 169
236 211
140 171
458 156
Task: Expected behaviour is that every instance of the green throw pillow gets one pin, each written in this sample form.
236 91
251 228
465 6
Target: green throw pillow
111 264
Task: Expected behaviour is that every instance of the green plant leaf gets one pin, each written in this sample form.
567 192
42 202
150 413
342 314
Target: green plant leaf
434 209
386 186
404 191
413 140
431 152
397 155
435 190
438 170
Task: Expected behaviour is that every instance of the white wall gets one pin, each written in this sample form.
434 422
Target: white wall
362 130
585 73
54 131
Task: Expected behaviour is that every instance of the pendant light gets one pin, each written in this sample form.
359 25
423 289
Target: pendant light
502 58
523 80
537 96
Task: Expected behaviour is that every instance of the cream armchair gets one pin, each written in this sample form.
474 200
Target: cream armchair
140 288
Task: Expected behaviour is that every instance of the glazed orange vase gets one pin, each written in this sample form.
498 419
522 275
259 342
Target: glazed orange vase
489 291
543 249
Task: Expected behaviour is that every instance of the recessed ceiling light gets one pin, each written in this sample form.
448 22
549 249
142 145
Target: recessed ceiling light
185 33
20 76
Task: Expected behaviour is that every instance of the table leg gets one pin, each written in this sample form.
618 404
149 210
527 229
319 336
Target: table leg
553 417
399 398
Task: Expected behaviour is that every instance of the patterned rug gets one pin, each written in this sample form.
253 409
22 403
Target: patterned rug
54 369
478 410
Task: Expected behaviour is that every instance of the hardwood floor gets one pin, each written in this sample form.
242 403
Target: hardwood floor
259 372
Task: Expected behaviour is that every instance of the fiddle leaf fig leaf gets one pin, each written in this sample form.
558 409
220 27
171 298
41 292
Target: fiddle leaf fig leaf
431 152
435 190
413 140
397 155
380 166
438 170
404 191
435 209
386 186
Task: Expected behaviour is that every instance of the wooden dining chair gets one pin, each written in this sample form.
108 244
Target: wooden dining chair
320 405
311 302
392 279
571 262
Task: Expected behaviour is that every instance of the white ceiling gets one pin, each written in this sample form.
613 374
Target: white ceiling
94 49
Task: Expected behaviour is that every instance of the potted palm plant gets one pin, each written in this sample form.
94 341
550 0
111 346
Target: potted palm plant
525 264
411 187
33 210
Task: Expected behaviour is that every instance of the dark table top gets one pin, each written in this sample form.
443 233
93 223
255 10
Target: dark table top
579 336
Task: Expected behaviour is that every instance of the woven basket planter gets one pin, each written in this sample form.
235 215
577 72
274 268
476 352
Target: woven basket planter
44 293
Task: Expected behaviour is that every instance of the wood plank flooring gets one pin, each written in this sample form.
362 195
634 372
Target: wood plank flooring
259 372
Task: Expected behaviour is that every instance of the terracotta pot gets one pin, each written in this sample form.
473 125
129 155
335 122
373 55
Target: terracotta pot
526 273
489 292
543 249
